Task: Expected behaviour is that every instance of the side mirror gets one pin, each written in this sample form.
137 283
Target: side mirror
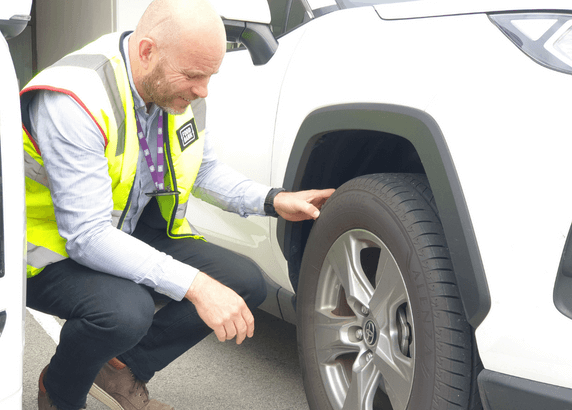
248 22
14 17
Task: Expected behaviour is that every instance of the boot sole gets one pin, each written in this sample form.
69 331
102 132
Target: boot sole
100 395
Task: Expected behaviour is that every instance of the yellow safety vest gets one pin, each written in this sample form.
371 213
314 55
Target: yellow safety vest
96 77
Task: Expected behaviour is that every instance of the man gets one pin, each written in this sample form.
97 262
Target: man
115 143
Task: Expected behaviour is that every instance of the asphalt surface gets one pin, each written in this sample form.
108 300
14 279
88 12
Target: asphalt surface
262 373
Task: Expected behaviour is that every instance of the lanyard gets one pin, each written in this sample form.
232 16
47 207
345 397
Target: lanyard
156 172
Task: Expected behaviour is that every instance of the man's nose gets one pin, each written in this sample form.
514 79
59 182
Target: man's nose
200 90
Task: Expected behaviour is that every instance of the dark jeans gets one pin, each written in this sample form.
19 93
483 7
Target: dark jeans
107 316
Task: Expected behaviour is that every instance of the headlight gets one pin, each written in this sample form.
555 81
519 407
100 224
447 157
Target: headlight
544 37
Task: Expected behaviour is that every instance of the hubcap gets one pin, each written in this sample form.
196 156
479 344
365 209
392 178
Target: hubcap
363 326
370 333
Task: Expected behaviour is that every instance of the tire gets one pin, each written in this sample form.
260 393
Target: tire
380 320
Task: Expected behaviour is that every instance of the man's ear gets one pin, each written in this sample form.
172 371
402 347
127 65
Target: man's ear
146 52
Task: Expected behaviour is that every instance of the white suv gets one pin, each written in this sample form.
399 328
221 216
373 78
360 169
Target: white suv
440 272
13 19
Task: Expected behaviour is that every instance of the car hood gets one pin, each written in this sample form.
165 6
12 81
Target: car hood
435 8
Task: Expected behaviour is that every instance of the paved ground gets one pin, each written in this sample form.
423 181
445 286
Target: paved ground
263 373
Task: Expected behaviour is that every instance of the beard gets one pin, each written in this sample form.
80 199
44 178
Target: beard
159 91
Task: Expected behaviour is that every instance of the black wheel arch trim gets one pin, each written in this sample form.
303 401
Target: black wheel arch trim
562 294
424 133
501 391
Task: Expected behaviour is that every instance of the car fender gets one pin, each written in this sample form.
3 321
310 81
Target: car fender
423 132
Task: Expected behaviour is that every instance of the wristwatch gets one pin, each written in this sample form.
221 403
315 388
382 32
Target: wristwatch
269 202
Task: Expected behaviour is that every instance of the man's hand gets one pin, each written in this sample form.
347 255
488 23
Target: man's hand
221 308
302 205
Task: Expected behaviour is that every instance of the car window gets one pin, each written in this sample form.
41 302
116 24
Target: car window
286 15
278 11
297 15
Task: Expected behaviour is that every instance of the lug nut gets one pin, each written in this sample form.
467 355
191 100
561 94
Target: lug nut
364 310
359 334
369 357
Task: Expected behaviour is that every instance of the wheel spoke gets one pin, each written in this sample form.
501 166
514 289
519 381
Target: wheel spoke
395 368
365 381
332 336
383 364
397 373
344 258
390 291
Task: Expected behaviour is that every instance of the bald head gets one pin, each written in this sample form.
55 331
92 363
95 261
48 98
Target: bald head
176 23
176 47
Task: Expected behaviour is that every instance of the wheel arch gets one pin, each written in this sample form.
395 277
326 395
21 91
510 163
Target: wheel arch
416 144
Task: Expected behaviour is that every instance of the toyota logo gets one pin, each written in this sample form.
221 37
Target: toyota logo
370 333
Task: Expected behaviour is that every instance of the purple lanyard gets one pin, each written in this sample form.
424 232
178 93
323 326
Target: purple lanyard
156 173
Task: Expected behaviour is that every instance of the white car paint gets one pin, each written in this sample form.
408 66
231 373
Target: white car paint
12 285
13 276
505 119
255 11
432 8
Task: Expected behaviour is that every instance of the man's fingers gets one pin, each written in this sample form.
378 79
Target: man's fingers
312 211
249 320
222 309
230 329
325 195
241 335
240 326
302 205
220 333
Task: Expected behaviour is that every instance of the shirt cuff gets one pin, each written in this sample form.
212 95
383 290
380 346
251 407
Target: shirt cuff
176 279
254 199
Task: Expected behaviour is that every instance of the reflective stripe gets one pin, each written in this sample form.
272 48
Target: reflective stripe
38 256
102 66
104 102
115 217
199 107
195 232
181 211
35 171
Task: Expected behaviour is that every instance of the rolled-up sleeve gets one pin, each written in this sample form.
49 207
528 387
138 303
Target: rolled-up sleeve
226 188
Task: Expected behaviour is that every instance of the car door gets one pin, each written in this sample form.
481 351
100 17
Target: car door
13 18
242 105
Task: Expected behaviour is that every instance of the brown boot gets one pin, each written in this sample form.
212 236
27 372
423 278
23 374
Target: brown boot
117 388
44 401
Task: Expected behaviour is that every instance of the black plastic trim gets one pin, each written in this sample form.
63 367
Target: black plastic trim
256 37
562 295
271 304
3 316
504 392
11 28
423 132
2 253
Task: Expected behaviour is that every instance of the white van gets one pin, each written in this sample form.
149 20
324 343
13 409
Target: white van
14 17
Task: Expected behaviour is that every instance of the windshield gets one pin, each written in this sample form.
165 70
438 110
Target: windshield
362 3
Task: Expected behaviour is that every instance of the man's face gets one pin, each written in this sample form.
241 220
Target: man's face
178 79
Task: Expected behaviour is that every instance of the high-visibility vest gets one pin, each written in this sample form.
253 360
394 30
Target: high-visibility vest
96 77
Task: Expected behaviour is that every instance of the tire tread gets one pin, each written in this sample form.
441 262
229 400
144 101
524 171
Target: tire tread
411 200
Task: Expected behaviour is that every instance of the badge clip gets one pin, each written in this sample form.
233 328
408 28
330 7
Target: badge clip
162 192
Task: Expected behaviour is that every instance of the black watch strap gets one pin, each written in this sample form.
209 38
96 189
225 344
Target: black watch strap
269 202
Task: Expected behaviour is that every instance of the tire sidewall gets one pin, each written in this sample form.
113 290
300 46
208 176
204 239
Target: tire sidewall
353 207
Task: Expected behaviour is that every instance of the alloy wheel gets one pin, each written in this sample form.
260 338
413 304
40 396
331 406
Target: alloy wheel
363 325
